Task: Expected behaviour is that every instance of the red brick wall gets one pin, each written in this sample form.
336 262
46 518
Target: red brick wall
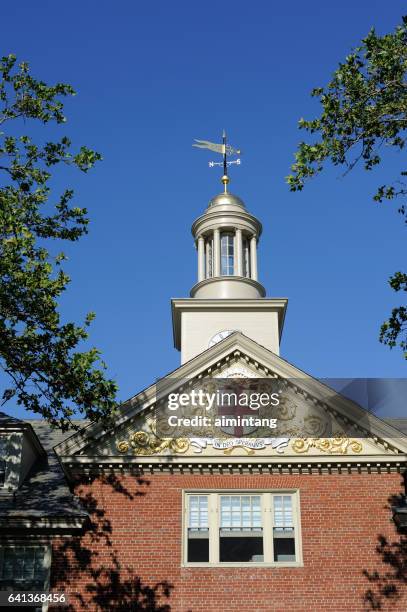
135 546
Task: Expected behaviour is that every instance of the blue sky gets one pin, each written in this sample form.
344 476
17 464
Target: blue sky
151 77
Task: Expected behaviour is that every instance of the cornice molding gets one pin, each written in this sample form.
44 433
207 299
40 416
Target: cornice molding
179 305
222 218
62 523
237 465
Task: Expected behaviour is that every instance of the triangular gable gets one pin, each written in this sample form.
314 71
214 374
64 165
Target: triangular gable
133 434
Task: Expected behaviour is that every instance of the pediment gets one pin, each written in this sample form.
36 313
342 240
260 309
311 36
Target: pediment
19 450
352 434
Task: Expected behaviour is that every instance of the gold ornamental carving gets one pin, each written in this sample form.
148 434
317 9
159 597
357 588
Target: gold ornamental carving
148 443
337 445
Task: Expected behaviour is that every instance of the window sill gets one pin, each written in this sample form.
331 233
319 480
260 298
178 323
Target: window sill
245 565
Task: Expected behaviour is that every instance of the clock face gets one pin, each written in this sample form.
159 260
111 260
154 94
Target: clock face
220 336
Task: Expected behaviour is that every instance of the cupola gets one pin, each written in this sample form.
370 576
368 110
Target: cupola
226 238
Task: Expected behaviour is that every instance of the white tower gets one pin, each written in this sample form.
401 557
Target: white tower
227 296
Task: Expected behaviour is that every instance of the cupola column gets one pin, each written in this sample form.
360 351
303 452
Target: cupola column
216 252
208 259
253 257
238 252
201 259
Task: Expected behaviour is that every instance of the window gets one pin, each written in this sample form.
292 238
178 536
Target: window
23 565
209 258
246 258
2 472
198 529
283 528
240 533
4 454
241 528
227 254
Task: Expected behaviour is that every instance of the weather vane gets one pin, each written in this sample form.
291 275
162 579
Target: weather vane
225 150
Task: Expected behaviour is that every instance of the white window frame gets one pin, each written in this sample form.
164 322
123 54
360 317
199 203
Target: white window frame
267 527
47 548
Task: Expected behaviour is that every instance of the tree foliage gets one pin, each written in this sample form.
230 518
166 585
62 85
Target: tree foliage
38 351
364 110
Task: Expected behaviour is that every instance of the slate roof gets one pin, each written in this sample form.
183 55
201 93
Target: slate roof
6 419
45 492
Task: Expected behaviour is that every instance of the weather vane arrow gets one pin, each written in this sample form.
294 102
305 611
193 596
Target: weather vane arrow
224 149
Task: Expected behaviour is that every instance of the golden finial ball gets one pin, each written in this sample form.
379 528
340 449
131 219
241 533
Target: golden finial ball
225 179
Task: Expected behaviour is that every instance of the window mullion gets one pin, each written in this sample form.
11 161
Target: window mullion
267 519
24 558
213 516
47 566
185 523
1 562
296 522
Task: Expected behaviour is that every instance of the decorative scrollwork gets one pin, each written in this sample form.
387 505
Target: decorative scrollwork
123 446
340 444
145 443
